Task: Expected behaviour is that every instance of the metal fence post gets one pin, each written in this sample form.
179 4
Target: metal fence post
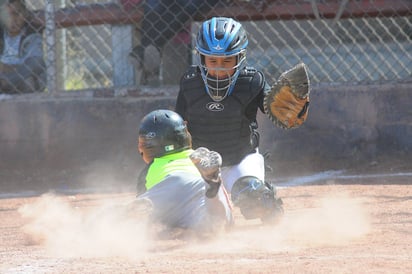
50 30
123 70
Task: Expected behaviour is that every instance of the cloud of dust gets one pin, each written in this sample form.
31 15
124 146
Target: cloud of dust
101 231
106 230
336 220
104 175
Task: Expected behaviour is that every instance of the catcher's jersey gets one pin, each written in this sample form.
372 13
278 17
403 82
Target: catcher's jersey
224 126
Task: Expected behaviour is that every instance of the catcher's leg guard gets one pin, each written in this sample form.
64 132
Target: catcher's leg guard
256 199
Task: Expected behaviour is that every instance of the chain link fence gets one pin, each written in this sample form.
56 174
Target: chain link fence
93 44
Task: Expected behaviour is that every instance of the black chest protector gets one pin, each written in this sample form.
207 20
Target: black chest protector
225 126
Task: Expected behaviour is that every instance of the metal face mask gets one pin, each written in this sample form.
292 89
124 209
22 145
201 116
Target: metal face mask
220 81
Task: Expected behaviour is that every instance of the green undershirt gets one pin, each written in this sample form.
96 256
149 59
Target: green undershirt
165 165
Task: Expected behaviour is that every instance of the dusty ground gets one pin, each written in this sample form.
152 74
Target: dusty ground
353 226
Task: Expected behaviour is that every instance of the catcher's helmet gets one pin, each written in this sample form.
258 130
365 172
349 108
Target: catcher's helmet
221 37
162 132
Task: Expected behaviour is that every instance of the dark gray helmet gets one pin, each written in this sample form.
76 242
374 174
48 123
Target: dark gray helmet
163 132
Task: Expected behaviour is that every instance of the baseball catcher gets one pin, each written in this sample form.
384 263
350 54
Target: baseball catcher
287 102
219 98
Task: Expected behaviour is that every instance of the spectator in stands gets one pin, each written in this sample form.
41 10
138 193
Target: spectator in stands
161 22
22 67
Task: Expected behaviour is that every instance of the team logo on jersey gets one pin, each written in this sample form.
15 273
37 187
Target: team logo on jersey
215 106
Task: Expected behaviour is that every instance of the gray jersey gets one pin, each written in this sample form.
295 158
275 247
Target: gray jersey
179 201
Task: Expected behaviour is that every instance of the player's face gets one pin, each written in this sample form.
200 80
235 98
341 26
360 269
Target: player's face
140 147
220 67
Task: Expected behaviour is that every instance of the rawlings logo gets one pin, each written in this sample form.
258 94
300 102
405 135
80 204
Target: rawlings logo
215 106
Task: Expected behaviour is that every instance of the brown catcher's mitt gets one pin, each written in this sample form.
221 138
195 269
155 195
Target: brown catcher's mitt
288 101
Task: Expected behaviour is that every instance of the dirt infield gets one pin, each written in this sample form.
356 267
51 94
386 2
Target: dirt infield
358 226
